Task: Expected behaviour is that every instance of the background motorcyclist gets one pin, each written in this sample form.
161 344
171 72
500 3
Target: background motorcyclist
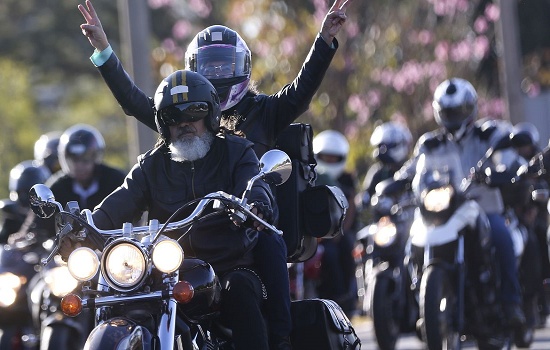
337 278
455 111
45 151
15 209
533 215
15 319
191 160
84 178
392 142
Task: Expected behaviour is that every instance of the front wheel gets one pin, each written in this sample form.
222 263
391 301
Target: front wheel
385 323
437 310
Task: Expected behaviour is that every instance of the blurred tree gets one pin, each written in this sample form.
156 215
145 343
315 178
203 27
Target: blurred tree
392 55
48 82
17 119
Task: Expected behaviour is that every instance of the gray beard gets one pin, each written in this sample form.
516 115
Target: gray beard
188 149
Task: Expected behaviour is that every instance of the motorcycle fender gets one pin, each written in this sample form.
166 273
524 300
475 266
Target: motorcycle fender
465 216
119 333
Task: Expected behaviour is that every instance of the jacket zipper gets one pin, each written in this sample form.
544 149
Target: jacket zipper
193 179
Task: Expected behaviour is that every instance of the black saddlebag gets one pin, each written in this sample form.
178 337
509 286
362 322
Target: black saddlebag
296 141
320 324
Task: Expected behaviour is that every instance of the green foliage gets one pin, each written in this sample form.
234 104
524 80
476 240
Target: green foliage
16 117
49 83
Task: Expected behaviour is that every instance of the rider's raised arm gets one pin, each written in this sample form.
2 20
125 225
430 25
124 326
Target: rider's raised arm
131 98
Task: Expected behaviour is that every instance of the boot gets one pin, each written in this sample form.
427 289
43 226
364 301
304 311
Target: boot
514 315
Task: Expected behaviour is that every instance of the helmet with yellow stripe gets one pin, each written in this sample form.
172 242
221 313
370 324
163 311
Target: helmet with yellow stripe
186 96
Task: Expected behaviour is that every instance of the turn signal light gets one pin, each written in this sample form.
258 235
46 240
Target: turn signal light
71 305
183 292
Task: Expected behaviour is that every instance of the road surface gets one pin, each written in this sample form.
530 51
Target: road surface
363 327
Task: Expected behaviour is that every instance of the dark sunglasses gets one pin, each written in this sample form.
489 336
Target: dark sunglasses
184 113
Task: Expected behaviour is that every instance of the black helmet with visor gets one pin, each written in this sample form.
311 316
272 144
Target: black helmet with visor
186 96
222 56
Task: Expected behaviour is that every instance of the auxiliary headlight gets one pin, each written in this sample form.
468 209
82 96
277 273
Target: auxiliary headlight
167 255
83 264
60 281
125 265
385 232
438 199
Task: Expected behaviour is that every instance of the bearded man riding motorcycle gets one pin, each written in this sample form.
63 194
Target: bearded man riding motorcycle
455 110
191 160
221 54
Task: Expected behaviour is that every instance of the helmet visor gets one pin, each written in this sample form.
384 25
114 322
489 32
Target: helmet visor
221 61
454 116
183 113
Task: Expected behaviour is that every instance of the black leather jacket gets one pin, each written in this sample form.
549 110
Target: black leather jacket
161 186
108 179
261 117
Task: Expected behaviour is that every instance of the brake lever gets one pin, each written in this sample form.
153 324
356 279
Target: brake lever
246 211
58 239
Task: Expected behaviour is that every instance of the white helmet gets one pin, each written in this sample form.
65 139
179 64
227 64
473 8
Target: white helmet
330 143
455 105
392 142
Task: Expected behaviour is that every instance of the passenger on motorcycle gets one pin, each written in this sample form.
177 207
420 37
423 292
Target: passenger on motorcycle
192 158
337 279
260 116
455 110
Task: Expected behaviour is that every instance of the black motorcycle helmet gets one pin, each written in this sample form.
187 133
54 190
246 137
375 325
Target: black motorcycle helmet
80 141
222 56
22 177
45 151
186 96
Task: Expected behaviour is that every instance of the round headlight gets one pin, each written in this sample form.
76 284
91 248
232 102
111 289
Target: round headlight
9 286
167 255
438 199
83 263
386 232
125 265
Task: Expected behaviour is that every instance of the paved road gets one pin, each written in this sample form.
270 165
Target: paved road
363 327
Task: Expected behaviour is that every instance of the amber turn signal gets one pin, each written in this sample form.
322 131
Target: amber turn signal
71 305
183 292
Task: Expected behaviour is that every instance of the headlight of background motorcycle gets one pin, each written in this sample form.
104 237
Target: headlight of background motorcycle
384 232
83 264
438 199
60 281
124 265
167 255
9 286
